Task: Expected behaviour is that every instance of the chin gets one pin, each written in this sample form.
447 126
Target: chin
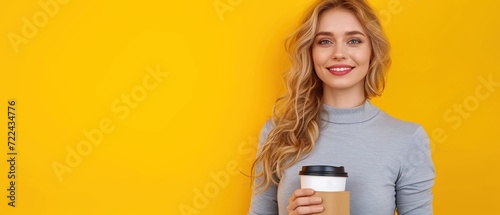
344 85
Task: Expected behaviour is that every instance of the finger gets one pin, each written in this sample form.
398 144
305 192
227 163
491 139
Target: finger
309 209
304 201
301 192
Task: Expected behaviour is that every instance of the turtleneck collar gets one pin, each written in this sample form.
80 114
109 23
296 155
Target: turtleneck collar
358 114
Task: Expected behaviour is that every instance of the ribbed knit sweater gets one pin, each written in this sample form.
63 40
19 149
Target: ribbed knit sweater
388 162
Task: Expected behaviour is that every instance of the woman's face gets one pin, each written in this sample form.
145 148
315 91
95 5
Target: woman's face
341 52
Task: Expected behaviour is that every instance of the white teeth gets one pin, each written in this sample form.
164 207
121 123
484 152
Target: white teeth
340 69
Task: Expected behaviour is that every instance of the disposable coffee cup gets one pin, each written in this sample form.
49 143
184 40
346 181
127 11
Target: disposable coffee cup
323 178
329 184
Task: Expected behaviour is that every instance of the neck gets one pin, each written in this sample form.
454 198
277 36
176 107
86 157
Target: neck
343 98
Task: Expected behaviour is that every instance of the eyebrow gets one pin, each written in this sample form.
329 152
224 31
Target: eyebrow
349 33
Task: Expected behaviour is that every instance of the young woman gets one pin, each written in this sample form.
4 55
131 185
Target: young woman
340 57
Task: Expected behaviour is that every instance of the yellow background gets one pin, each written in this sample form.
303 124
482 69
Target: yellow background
191 134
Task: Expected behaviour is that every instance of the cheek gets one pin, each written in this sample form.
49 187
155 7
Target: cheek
317 62
363 57
319 57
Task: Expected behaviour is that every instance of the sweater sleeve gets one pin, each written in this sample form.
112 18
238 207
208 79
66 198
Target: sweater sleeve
416 178
264 203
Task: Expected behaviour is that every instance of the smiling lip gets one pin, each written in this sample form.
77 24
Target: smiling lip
340 69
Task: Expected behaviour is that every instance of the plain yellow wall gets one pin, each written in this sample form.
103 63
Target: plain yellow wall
153 107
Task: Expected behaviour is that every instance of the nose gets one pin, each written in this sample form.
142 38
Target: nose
339 52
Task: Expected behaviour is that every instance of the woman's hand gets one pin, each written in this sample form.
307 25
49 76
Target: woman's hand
302 202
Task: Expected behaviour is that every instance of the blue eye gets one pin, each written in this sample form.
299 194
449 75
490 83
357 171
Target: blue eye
354 41
324 42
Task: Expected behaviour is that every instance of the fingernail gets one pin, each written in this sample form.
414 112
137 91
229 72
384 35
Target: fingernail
317 199
319 208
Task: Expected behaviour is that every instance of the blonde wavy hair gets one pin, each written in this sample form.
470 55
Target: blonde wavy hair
297 114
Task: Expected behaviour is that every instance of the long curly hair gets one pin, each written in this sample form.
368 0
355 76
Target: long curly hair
297 114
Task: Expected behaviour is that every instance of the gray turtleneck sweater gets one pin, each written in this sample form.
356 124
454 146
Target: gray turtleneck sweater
388 162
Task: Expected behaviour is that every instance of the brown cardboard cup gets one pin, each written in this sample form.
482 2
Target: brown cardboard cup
335 203
329 184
